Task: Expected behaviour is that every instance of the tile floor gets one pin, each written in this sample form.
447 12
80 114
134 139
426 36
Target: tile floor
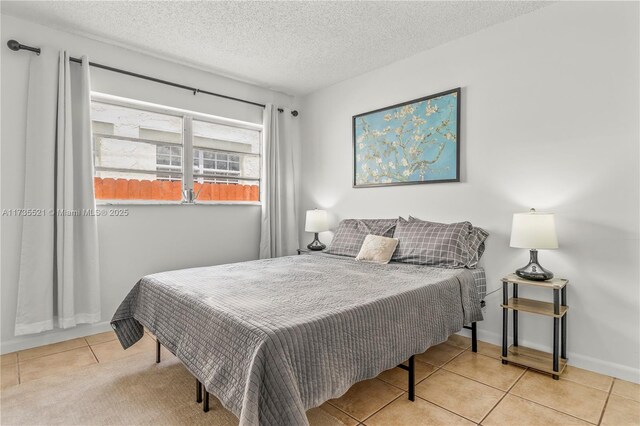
454 386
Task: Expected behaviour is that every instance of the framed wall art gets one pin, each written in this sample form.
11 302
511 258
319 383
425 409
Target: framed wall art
410 143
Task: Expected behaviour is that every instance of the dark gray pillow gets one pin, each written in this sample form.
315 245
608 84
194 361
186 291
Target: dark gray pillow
475 242
456 245
476 245
351 233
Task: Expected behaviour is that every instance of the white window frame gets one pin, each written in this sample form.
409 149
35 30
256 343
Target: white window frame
187 172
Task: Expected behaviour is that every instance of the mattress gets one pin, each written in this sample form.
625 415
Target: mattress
273 338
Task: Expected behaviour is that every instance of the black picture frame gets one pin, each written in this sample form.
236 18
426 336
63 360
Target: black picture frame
458 92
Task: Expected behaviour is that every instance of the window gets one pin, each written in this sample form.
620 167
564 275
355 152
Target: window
140 151
225 158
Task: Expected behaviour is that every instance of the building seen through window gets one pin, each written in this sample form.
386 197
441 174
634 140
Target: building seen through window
139 154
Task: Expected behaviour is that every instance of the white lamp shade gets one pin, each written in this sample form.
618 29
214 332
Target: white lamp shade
534 230
316 221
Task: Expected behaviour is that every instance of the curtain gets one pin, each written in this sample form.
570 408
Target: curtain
59 276
34 311
279 230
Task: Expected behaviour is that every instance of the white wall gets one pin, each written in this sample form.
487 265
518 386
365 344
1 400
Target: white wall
550 119
152 238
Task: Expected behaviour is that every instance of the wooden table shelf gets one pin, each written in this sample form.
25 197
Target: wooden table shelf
554 284
538 360
534 306
532 358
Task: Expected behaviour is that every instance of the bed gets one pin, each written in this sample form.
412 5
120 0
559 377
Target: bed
274 338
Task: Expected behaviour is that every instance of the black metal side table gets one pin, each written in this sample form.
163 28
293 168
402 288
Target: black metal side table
554 363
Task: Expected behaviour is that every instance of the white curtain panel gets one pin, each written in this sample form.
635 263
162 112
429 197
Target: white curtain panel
279 230
59 276
34 312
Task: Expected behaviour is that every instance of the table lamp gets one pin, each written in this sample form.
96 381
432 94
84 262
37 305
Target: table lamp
534 231
316 222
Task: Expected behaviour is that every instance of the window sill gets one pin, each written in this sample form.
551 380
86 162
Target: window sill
173 203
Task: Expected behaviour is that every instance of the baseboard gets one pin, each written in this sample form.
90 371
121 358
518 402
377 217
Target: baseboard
54 336
577 360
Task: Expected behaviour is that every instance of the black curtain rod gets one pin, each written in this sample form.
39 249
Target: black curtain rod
15 46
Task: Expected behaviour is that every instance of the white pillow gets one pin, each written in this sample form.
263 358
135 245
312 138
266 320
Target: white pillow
377 249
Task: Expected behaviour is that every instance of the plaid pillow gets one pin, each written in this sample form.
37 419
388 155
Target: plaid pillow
476 245
475 241
351 233
455 245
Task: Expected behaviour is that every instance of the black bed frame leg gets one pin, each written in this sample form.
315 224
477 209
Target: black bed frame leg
205 406
157 350
474 337
198 391
412 378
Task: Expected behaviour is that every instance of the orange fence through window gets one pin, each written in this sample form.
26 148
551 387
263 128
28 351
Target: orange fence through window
133 189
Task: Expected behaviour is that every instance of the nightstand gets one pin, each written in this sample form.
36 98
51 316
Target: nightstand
554 363
307 251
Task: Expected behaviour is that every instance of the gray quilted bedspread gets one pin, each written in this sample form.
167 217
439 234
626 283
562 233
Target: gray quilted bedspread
273 338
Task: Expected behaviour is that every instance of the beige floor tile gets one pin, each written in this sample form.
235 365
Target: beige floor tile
101 338
328 415
486 370
488 349
562 395
164 353
110 351
587 378
53 348
365 398
8 375
440 354
8 359
626 389
514 410
54 364
463 396
403 412
400 378
459 341
621 412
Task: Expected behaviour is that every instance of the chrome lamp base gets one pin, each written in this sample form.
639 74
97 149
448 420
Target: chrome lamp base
534 271
316 245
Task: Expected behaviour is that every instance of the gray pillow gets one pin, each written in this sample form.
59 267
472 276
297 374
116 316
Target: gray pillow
351 233
456 245
475 242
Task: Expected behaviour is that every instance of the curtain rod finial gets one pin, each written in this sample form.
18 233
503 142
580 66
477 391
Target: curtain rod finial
16 46
13 45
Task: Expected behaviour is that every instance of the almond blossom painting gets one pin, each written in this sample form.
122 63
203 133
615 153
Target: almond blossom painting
414 142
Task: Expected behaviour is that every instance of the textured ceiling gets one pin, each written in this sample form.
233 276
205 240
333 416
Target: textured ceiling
293 47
